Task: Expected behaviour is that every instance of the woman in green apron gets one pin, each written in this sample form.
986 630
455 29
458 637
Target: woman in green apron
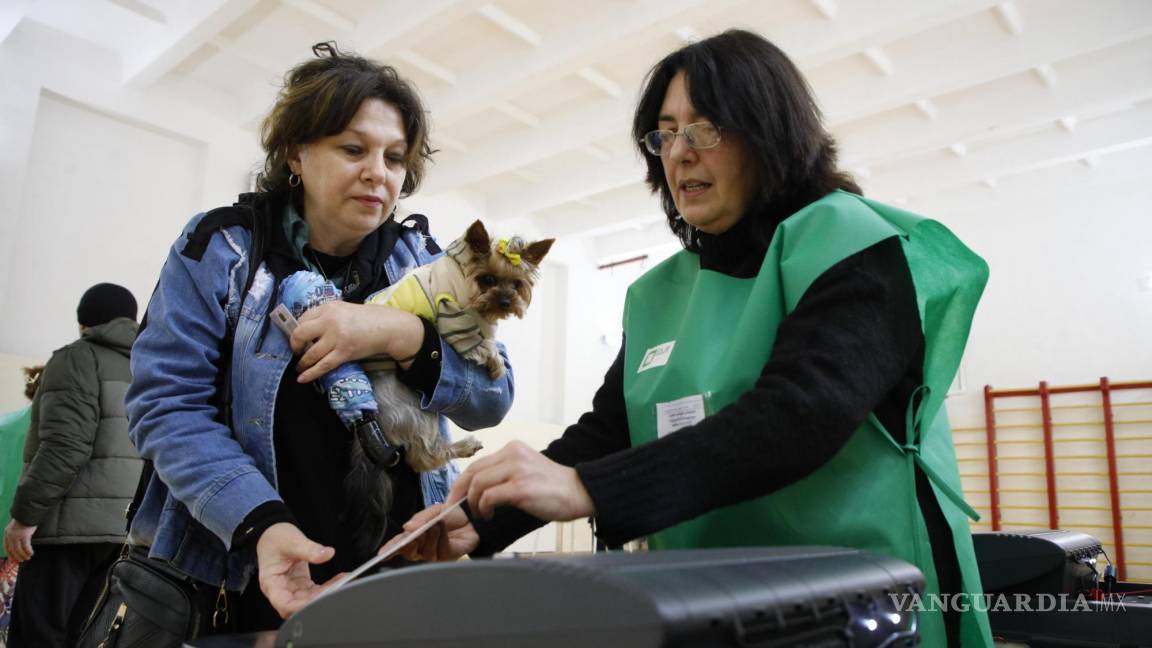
782 377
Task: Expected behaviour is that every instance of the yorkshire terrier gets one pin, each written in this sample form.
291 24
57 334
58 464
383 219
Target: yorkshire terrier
464 293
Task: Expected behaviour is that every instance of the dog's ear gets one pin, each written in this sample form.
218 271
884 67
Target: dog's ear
477 239
535 251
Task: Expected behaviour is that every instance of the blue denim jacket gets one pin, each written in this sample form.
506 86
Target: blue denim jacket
208 478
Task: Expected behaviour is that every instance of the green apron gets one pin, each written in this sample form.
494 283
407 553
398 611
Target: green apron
13 429
700 335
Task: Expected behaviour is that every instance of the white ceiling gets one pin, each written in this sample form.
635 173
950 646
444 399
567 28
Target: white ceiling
531 100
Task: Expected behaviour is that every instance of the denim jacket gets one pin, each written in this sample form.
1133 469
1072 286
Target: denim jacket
209 477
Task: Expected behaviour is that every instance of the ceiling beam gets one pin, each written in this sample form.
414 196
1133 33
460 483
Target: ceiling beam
502 153
517 113
972 57
866 23
231 48
11 13
1009 15
143 10
323 14
1014 107
81 72
827 8
688 35
572 45
394 28
600 81
493 156
1119 173
510 24
926 108
1126 129
427 66
880 60
570 183
626 208
190 26
400 24
1046 73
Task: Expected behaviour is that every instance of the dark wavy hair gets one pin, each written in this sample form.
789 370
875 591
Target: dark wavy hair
320 97
750 89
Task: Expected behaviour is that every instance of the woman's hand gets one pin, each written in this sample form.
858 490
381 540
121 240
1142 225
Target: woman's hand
283 554
449 539
519 476
18 540
337 332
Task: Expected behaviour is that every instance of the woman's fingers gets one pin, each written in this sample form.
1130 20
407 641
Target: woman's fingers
521 477
421 517
486 480
430 548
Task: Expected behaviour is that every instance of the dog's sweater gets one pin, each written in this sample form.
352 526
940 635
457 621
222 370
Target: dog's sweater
433 292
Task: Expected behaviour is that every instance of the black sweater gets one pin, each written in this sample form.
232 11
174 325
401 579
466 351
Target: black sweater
852 346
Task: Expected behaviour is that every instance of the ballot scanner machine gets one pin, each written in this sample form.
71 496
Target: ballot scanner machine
1052 588
786 596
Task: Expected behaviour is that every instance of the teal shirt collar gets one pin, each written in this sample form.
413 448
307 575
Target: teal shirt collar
296 230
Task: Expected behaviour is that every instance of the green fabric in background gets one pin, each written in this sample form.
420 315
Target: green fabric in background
13 429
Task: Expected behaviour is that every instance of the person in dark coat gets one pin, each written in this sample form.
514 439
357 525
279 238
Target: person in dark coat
80 473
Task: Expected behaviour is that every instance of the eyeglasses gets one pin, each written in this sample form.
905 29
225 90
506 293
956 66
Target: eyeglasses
701 135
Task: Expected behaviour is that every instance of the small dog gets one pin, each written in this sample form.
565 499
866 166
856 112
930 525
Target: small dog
464 293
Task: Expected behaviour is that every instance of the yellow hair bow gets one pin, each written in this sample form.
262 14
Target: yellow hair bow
512 256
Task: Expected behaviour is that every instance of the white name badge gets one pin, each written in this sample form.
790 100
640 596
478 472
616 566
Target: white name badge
657 356
680 413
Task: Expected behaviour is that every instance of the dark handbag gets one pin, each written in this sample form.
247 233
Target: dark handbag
147 604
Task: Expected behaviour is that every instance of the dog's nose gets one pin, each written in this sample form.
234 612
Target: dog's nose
505 304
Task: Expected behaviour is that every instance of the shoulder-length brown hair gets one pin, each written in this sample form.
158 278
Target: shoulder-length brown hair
320 97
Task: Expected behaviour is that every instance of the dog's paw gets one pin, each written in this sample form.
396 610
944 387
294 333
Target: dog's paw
466 447
495 366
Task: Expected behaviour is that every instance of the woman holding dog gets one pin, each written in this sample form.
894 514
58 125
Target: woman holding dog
807 336
249 458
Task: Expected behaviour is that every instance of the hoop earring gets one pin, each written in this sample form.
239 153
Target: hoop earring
291 177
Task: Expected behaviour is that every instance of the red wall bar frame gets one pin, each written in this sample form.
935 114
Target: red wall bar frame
1105 387
1049 457
993 477
1113 476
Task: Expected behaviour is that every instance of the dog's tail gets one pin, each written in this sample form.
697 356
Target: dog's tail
369 499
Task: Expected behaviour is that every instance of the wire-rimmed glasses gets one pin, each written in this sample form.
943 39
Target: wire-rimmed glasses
701 135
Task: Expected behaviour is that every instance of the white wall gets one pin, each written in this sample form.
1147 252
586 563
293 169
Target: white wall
103 199
596 303
97 180
1067 248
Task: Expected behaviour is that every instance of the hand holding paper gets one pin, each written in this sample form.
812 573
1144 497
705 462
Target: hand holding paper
392 547
283 554
448 539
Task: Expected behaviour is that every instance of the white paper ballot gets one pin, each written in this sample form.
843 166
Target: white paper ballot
391 548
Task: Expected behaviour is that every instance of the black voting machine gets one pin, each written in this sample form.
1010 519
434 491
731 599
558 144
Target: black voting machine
1082 605
793 596
782 596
